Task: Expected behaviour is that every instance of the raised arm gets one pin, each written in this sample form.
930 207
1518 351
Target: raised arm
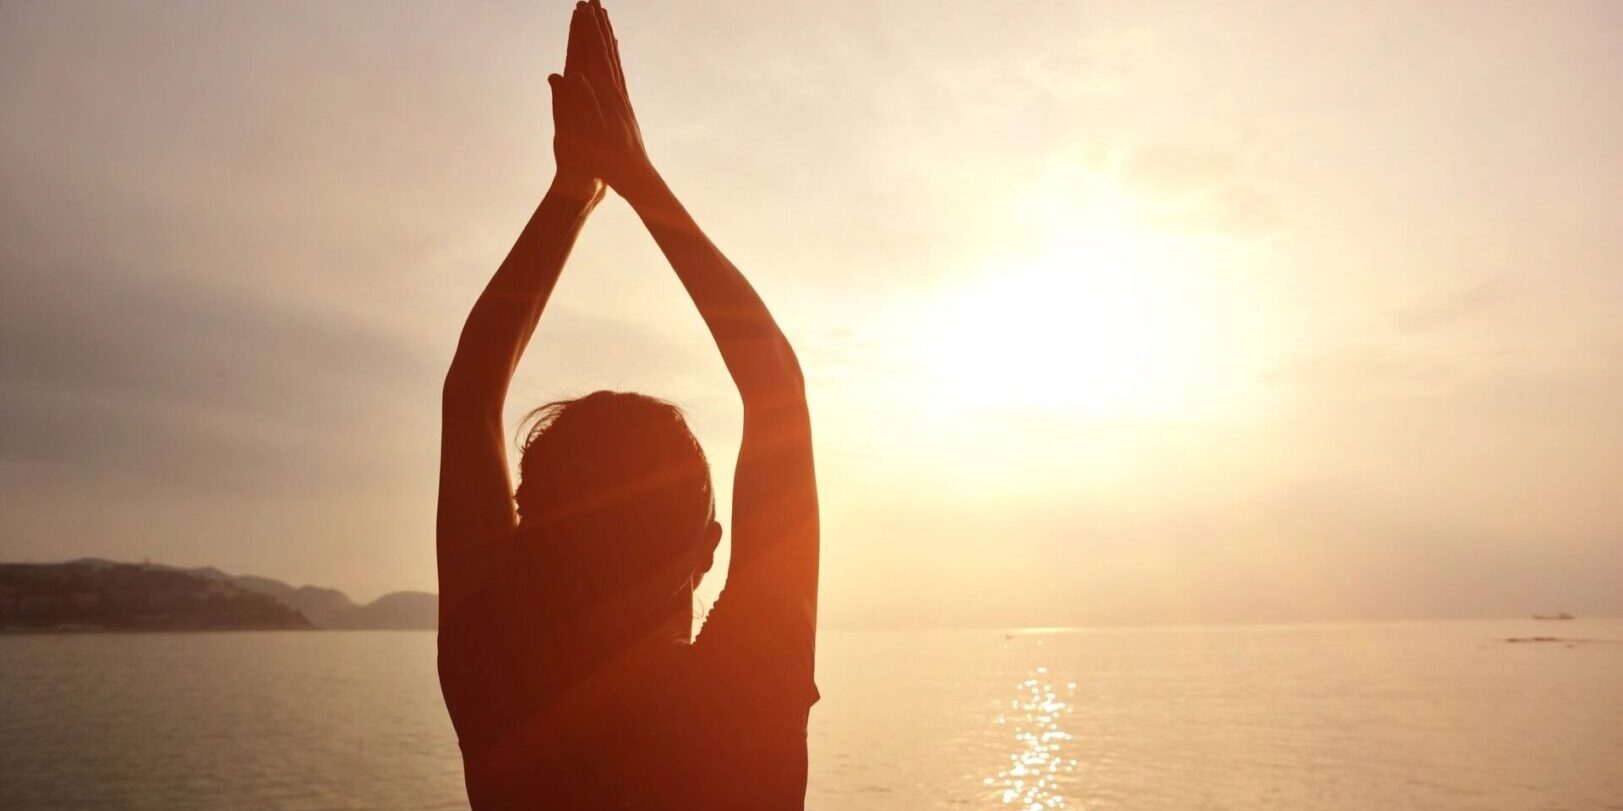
475 494
775 537
775 526
775 522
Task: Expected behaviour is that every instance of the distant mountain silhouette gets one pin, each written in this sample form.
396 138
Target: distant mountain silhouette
131 597
322 607
399 611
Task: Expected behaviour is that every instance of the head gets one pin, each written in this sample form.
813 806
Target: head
615 497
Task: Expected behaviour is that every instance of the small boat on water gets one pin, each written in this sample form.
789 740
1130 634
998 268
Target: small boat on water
1561 616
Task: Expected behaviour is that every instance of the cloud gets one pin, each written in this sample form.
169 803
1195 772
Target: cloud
1179 169
1360 371
201 387
1441 309
1199 187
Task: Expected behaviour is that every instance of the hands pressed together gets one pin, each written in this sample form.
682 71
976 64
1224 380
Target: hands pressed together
597 140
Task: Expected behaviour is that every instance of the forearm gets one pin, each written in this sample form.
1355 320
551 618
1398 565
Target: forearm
756 353
503 319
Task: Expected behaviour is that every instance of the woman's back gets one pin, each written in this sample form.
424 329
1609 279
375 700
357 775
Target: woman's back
548 719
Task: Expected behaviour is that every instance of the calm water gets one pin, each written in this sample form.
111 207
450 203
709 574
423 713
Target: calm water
1411 716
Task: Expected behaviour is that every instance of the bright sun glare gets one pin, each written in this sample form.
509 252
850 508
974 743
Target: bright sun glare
1110 316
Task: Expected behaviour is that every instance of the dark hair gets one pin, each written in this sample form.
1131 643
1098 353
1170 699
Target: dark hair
613 479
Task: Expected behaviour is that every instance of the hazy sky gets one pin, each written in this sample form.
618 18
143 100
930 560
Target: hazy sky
1112 312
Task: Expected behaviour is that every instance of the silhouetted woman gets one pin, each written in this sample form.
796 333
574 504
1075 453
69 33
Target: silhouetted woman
566 652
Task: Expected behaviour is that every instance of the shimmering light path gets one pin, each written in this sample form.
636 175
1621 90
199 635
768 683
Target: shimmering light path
1034 777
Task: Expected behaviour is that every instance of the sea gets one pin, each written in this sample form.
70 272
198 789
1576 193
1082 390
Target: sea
1417 715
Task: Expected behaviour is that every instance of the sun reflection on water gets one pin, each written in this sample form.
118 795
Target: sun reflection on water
1037 764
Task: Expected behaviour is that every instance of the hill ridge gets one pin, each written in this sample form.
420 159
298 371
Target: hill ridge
323 607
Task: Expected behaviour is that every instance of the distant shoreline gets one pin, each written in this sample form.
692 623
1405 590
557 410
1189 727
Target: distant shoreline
92 595
68 631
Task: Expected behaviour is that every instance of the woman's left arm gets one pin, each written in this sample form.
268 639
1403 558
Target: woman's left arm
475 492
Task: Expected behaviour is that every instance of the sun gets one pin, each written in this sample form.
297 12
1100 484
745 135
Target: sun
1108 316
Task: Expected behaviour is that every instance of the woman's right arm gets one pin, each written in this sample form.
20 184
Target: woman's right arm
775 523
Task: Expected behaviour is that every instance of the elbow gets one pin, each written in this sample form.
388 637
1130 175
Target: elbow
789 368
454 391
458 383
478 377
777 382
466 392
